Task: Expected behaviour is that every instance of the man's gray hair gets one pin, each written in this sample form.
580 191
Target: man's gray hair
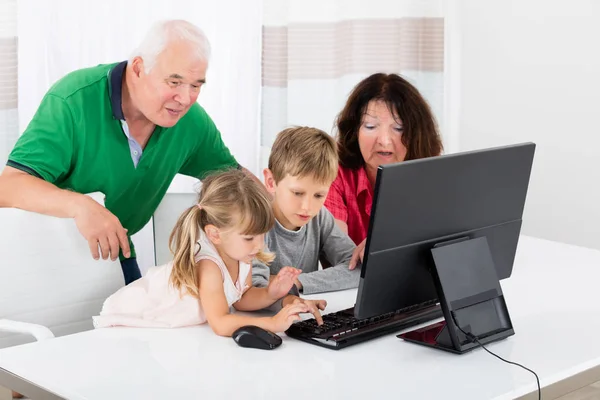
164 32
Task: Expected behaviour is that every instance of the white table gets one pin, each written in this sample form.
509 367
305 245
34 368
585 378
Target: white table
551 297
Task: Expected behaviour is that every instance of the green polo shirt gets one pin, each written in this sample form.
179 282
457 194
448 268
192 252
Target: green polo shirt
76 141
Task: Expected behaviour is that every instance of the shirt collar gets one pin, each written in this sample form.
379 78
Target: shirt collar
115 89
285 231
362 182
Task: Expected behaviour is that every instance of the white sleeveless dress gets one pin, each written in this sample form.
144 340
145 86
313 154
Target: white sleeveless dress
152 302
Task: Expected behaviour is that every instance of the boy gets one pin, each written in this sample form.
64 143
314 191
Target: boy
302 166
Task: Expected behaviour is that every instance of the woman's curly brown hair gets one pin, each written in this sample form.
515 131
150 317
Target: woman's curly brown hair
420 137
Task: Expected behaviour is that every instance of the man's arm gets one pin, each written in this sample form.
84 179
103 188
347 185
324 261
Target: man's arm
18 189
210 154
251 175
99 226
42 157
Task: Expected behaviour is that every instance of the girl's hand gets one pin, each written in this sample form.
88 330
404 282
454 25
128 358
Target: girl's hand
281 284
314 306
287 316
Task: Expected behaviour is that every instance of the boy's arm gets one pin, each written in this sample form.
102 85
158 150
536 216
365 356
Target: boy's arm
337 250
330 279
260 274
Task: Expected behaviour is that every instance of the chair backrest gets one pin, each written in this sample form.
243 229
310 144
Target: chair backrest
164 219
47 275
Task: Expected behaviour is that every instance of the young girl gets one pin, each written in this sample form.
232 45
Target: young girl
213 244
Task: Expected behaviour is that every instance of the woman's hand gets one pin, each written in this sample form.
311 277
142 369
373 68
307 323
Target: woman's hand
357 255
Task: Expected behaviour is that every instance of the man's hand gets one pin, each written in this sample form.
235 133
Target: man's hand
100 227
357 255
281 284
314 306
96 224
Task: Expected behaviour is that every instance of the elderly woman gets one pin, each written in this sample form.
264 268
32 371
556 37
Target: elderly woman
385 120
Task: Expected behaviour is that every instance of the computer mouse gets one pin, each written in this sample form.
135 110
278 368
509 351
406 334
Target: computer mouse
256 338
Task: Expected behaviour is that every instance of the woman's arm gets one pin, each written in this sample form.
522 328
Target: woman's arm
336 204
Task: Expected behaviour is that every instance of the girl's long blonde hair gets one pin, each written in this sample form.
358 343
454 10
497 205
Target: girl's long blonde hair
227 200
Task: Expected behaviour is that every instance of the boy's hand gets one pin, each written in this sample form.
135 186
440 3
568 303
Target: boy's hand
357 254
314 306
281 284
287 316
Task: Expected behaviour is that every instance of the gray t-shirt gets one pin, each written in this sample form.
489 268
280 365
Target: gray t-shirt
321 239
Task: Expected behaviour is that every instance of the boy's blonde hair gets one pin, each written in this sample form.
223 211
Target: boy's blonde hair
303 151
227 200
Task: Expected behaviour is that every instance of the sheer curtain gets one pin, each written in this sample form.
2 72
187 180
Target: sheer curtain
8 78
315 51
57 37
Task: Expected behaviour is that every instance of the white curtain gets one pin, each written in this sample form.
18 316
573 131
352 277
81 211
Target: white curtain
59 36
8 78
315 52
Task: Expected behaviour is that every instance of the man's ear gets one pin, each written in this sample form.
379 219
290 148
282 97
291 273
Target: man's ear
213 234
137 66
269 181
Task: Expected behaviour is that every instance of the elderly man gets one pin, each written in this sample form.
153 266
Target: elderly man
122 129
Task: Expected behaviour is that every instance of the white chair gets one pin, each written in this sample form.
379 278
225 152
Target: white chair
49 283
164 219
